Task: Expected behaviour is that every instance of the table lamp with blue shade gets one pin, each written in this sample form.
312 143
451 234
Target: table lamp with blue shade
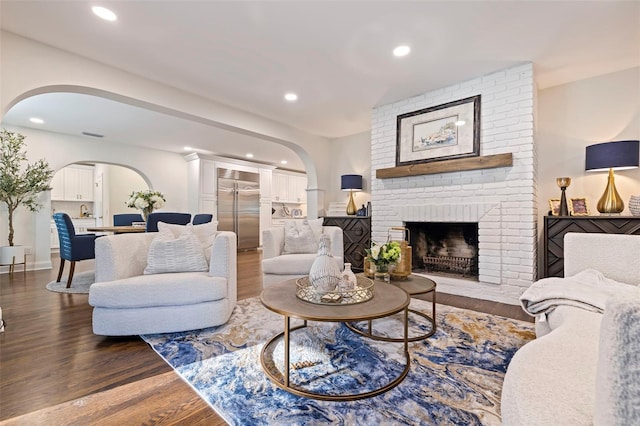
620 155
351 183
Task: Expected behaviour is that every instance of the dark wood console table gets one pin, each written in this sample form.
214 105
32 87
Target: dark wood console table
556 226
356 235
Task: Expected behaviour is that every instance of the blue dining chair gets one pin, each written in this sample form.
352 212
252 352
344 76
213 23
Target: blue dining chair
201 218
72 247
126 219
166 217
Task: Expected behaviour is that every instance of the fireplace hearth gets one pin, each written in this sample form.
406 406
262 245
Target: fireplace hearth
445 248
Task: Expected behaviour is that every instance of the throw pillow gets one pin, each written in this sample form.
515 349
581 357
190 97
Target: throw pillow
206 233
299 237
181 254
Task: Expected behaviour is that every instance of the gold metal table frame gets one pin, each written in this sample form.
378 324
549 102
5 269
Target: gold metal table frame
414 285
280 298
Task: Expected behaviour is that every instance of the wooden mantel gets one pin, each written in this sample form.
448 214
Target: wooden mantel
445 166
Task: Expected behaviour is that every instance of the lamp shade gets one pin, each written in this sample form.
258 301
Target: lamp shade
350 182
618 155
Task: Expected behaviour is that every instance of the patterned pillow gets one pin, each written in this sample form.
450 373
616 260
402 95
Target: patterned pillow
205 232
181 254
300 237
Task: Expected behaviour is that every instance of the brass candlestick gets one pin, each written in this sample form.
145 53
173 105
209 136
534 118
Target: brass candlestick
563 183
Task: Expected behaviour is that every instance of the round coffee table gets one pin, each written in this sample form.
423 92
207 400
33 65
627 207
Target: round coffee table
414 285
281 298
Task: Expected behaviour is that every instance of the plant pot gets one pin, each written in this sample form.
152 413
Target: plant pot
11 254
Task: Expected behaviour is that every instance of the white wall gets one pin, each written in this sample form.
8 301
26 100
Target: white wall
123 181
351 155
166 172
575 115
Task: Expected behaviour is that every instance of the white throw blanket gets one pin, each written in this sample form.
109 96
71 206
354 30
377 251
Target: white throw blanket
588 290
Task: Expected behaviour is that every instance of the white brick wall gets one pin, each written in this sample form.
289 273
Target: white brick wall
501 200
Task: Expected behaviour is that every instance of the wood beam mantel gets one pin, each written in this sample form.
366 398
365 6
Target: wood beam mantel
446 166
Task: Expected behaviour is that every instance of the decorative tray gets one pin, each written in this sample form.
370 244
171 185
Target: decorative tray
361 293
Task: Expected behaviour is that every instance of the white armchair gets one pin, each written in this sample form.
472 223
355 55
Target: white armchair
278 267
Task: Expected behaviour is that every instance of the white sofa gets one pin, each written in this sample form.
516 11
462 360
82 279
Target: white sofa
126 302
278 267
552 379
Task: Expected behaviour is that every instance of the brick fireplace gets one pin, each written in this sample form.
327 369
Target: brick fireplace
502 201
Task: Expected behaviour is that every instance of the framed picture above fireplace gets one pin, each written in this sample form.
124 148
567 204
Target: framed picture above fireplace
437 133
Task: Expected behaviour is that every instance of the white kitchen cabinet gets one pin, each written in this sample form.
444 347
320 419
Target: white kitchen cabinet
73 183
55 241
81 225
57 186
289 188
279 187
298 189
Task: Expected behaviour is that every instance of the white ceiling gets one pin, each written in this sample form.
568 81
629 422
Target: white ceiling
336 55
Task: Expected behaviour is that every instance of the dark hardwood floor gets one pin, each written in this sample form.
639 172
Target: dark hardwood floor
53 369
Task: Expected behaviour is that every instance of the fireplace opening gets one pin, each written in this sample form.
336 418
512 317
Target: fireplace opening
445 248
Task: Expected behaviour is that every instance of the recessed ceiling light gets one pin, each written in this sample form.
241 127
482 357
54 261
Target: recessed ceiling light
249 155
283 162
104 13
401 50
291 97
188 148
460 123
36 120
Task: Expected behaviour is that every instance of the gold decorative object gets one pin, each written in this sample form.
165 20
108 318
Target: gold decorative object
351 207
610 202
362 292
403 264
563 183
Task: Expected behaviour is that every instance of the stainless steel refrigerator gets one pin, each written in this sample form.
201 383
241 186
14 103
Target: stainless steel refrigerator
239 206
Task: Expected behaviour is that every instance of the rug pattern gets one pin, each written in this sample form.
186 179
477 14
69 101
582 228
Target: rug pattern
79 285
455 377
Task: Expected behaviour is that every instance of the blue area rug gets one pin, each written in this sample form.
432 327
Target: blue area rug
455 377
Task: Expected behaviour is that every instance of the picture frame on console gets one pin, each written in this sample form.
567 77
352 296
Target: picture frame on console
578 207
441 132
554 206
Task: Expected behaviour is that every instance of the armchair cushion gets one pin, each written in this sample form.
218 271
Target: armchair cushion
160 290
181 254
206 233
288 264
301 237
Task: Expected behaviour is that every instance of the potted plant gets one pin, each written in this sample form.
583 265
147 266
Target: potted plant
19 186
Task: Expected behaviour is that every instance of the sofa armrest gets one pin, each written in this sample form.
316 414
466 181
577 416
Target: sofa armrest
272 242
223 261
121 256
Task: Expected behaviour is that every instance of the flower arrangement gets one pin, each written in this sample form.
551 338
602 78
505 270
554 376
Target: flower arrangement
146 201
383 255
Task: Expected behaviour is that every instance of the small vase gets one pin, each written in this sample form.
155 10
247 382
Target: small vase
348 281
634 205
382 272
146 212
324 275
